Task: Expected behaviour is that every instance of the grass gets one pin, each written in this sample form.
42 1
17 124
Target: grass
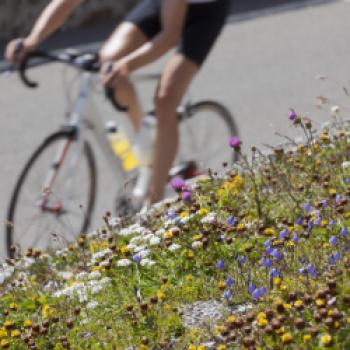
268 241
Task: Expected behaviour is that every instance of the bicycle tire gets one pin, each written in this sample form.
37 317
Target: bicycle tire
52 140
229 126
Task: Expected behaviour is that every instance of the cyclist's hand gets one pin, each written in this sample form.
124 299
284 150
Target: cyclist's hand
112 71
17 49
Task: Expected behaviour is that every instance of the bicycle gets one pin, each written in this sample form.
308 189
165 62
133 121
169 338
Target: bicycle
54 196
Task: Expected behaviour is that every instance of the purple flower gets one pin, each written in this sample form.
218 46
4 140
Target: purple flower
324 203
338 198
235 142
171 215
283 234
177 183
292 115
262 291
220 264
333 240
344 231
256 294
269 250
277 254
231 220
266 262
186 195
137 258
307 207
310 225
331 223
334 258
299 221
242 260
274 273
267 243
229 282
251 288
318 221
348 180
228 294
311 270
295 238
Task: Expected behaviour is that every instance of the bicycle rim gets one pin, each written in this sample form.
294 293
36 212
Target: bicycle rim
48 214
205 130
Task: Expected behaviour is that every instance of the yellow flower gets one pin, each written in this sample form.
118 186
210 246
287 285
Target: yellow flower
221 347
3 332
287 307
332 191
231 319
189 278
290 244
280 330
324 136
27 323
203 211
326 339
277 281
124 250
190 254
324 223
15 333
307 338
348 321
192 347
261 315
197 237
47 311
184 214
336 324
283 287
4 343
262 322
167 307
240 227
286 338
298 303
269 231
13 306
143 347
160 295
320 302
168 235
326 245
222 284
201 347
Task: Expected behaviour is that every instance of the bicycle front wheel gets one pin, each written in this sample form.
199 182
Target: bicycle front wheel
205 129
53 199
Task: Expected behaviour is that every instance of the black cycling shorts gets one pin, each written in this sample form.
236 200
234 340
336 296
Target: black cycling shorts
203 25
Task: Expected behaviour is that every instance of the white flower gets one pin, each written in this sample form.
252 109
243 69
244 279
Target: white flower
124 262
144 253
174 247
96 289
160 232
66 275
137 240
147 262
345 165
101 254
94 275
92 305
197 245
209 218
154 241
140 248
81 275
28 261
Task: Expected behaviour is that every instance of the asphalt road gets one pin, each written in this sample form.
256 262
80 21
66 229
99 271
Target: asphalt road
264 64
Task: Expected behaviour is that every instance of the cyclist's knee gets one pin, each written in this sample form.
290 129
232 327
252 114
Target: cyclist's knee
165 105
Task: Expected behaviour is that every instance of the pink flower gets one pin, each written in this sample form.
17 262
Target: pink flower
292 115
177 183
235 142
186 195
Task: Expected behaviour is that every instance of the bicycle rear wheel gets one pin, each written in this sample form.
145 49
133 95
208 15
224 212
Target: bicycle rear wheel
54 197
205 129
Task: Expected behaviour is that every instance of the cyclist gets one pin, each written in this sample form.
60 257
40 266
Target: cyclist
150 30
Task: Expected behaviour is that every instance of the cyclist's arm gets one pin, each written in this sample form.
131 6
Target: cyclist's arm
52 17
173 15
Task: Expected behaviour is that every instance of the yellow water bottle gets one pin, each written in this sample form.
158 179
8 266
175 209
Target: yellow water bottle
121 146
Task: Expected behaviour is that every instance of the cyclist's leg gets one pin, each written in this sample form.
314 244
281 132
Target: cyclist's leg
125 39
176 77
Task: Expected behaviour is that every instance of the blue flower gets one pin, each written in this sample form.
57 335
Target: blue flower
299 221
251 288
220 264
324 203
256 294
318 221
274 273
231 220
307 207
338 198
348 180
331 223
171 215
267 243
310 225
283 234
269 250
277 254
228 294
137 258
311 270
333 240
262 291
229 282
242 260
266 262
259 293
344 231
295 238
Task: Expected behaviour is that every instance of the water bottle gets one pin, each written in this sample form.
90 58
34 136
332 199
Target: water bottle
121 146
144 150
